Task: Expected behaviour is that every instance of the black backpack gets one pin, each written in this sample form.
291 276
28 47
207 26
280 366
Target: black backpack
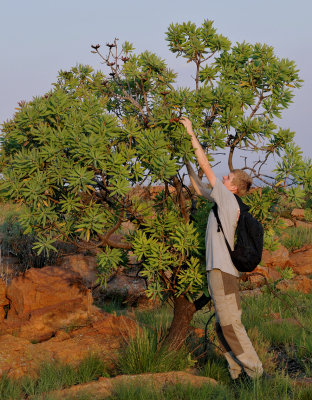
247 251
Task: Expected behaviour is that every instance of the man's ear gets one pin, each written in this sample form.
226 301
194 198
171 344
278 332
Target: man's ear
234 189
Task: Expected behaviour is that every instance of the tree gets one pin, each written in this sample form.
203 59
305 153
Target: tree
73 155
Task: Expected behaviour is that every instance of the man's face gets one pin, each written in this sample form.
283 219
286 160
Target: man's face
228 182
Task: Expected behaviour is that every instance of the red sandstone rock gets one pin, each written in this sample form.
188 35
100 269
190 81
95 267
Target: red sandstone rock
44 301
287 222
103 337
104 387
303 224
301 262
268 272
85 266
40 288
129 289
276 258
298 283
298 213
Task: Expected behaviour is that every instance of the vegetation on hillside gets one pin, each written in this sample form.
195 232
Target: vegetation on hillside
73 155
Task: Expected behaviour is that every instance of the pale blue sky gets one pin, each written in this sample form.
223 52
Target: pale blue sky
38 38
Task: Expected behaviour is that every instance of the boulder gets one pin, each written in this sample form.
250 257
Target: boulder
258 275
303 224
104 337
45 287
45 300
298 283
104 387
298 213
276 258
301 261
287 222
128 289
85 266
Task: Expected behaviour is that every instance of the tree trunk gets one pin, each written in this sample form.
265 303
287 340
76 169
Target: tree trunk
180 326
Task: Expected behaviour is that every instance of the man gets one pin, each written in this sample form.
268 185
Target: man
222 274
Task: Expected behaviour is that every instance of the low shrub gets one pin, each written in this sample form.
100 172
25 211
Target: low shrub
144 353
52 375
297 237
20 245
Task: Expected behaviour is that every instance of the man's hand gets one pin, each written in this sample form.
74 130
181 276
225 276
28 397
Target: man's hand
187 124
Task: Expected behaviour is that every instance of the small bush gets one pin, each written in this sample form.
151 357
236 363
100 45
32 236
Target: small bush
217 370
297 237
144 354
8 389
308 214
52 375
90 369
20 245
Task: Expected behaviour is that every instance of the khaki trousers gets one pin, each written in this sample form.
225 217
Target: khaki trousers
235 343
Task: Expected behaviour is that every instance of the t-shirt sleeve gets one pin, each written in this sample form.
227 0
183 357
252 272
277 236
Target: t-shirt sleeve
227 207
221 195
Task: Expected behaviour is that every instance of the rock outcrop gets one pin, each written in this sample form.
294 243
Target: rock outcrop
104 337
104 387
298 283
84 266
45 300
277 258
301 261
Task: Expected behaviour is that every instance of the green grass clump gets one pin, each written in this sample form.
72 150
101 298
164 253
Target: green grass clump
52 375
275 389
297 237
91 368
8 389
217 369
144 353
171 392
113 306
157 318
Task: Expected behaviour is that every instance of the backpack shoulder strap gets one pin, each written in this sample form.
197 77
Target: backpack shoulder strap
220 228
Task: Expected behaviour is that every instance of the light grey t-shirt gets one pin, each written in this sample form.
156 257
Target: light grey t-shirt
217 254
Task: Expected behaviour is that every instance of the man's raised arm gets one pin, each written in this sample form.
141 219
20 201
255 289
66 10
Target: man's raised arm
199 152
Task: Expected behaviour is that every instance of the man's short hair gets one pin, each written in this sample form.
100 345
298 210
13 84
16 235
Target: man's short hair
242 180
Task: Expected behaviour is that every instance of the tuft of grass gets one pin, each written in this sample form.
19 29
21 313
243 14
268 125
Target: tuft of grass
171 392
297 237
157 318
217 369
113 306
308 214
8 389
262 348
144 353
90 369
277 389
52 375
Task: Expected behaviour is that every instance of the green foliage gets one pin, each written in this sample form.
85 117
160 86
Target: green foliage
22 245
91 368
216 369
308 214
8 389
73 155
290 306
144 353
52 376
297 237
